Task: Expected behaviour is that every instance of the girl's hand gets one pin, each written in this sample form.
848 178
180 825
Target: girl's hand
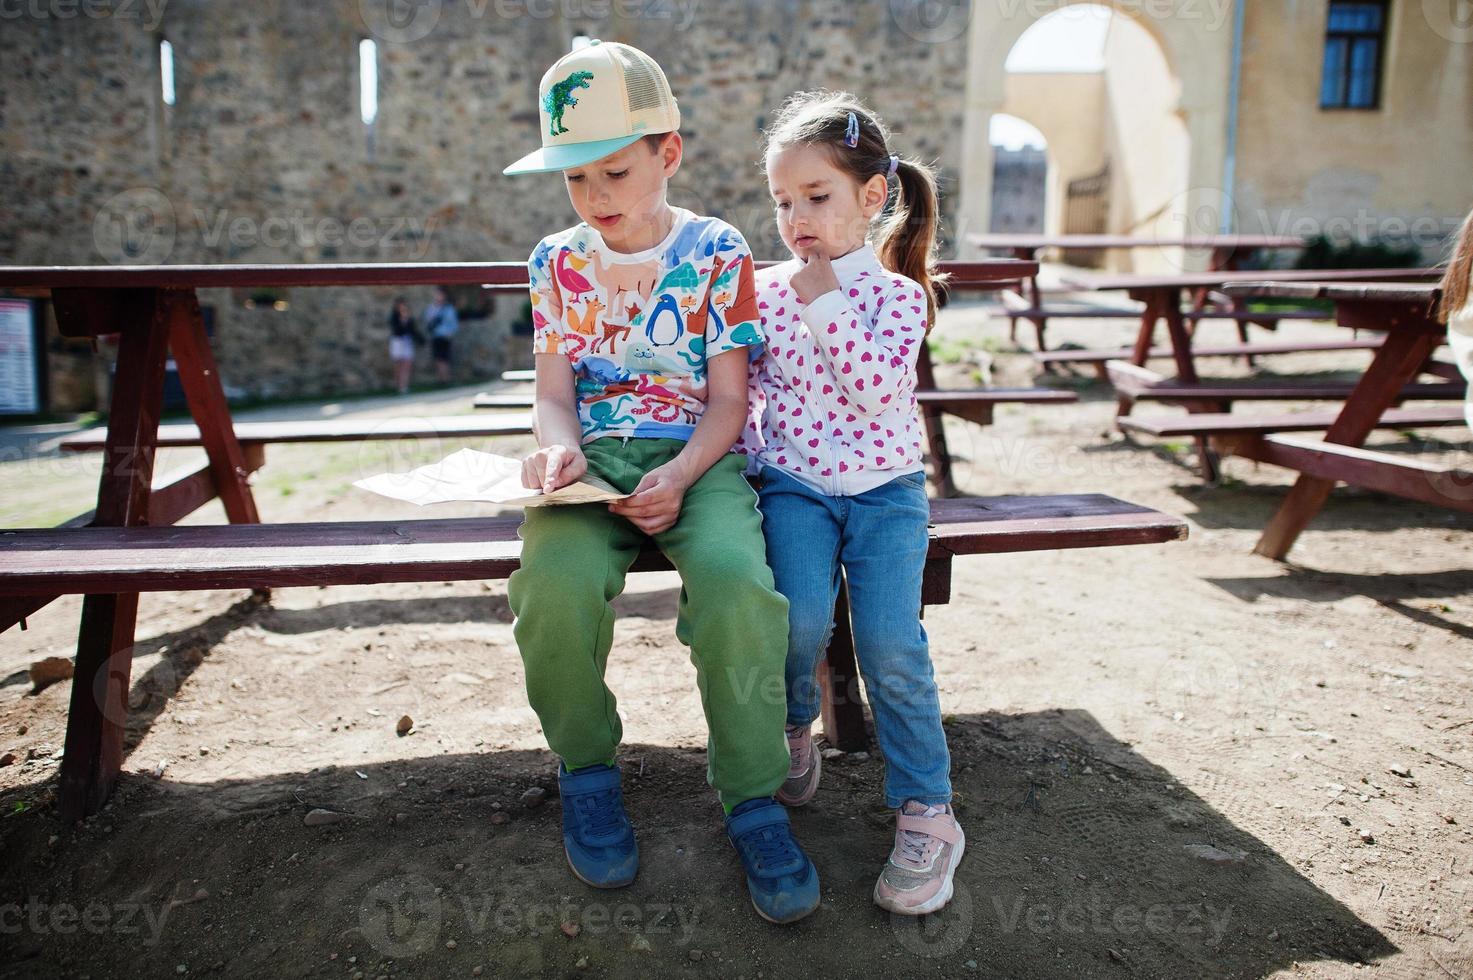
552 467
815 278
655 504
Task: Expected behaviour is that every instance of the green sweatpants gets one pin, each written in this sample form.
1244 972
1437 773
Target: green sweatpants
574 560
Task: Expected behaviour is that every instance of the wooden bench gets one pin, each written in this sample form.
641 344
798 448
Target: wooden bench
36 564
1388 473
1219 434
1135 384
1228 424
330 430
1097 358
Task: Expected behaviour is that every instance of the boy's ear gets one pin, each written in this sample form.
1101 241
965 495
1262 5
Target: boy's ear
672 151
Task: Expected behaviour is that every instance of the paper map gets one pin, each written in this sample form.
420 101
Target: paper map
477 477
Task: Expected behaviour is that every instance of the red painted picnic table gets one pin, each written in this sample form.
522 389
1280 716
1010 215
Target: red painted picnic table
1161 296
1405 312
1227 253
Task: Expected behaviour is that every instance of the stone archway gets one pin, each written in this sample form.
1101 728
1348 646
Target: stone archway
1197 34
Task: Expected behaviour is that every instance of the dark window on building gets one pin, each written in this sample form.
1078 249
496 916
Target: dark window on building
1355 38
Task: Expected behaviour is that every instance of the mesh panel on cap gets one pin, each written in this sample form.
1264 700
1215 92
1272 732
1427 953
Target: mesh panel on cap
641 79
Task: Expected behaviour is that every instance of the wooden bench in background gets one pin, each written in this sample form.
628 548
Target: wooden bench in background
1134 384
1097 358
1222 433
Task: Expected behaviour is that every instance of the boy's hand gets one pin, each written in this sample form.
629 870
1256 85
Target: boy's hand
815 278
655 504
553 467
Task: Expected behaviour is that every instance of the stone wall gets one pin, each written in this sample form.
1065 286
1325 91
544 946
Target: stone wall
264 156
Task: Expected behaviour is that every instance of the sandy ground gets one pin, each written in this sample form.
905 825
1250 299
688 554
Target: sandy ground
1171 761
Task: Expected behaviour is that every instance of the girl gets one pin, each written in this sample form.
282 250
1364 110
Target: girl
404 336
836 438
1457 306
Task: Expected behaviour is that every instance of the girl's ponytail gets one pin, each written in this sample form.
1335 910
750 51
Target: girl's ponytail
907 237
1459 271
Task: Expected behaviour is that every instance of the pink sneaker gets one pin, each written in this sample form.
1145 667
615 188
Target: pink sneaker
928 847
803 767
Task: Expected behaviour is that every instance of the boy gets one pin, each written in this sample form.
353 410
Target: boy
644 320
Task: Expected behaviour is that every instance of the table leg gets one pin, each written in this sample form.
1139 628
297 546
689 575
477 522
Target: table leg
1181 341
99 700
200 378
1395 364
838 676
934 421
1144 337
1035 296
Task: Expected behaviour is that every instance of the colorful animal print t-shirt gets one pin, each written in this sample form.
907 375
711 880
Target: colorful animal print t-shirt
639 327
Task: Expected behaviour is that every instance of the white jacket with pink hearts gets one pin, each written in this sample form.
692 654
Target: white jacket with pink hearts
832 398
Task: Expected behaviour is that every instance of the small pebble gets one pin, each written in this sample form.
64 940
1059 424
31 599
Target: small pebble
499 818
534 797
571 929
696 956
1404 772
320 817
475 971
405 724
450 944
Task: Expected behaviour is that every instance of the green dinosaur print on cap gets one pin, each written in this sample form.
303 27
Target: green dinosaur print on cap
560 97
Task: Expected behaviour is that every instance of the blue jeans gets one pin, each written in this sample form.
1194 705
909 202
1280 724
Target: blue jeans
878 541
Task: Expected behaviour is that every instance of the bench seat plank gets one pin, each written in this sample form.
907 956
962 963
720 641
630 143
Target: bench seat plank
51 561
1216 423
1136 383
1369 469
1208 350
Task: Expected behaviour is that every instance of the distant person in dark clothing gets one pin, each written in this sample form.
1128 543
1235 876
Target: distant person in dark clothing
442 322
404 337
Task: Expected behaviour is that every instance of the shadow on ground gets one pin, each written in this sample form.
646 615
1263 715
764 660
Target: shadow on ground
1084 858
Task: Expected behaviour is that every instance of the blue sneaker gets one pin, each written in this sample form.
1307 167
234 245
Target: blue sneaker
597 835
782 881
